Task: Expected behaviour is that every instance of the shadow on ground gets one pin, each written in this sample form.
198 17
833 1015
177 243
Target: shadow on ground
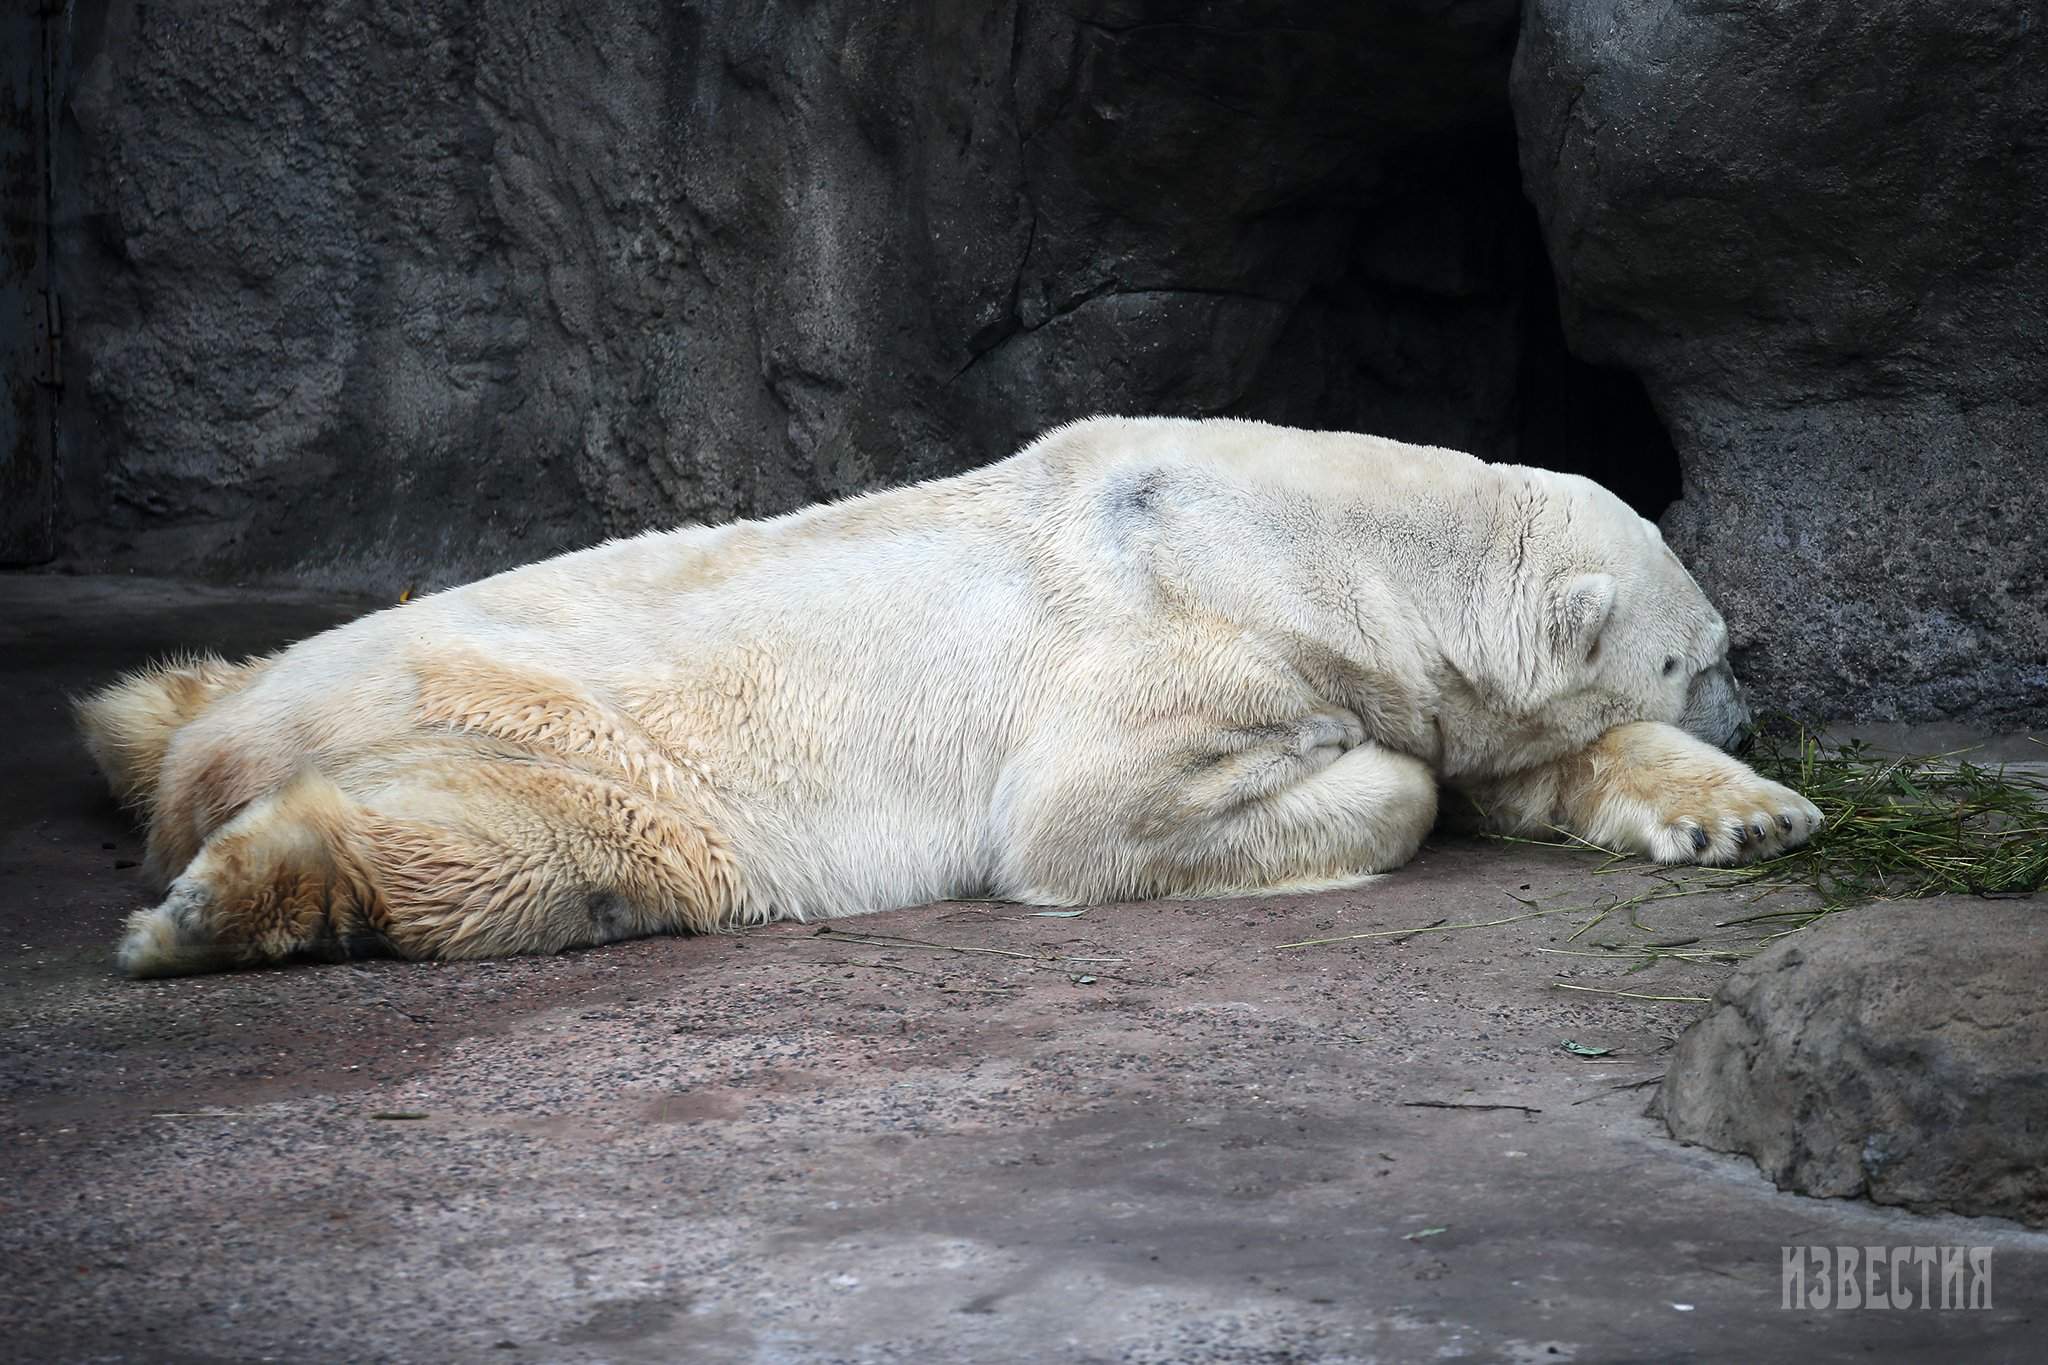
1142 1133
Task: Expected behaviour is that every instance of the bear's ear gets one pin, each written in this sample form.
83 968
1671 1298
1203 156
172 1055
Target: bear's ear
1579 613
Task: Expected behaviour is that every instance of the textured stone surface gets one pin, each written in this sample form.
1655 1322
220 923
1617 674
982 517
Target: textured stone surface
370 292
27 483
1819 233
1897 1052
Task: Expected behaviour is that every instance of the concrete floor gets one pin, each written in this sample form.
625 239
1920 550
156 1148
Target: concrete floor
1147 1133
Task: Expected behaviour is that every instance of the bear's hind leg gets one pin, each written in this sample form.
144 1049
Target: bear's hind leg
278 881
538 857
465 859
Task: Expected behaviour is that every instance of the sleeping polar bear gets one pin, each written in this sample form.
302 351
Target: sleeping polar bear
1141 658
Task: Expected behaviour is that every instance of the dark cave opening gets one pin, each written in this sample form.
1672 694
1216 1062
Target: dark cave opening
1581 418
1438 323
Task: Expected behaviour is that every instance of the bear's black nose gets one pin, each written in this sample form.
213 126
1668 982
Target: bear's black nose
1714 708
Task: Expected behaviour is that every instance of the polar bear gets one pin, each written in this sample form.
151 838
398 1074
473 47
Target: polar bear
1142 657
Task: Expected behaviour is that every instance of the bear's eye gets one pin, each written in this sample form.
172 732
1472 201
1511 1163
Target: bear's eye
1670 666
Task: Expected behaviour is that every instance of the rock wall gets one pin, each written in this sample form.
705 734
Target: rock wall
373 293
370 291
1819 233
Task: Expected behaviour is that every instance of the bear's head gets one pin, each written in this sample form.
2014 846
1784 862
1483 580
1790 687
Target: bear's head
1623 633
1578 619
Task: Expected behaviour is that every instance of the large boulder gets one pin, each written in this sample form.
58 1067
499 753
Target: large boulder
1897 1052
1819 233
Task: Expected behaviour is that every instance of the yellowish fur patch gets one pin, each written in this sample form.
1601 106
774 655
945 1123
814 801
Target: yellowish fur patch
543 711
547 858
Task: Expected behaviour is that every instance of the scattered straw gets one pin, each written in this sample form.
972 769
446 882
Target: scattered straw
1438 928
1896 828
1900 828
1632 995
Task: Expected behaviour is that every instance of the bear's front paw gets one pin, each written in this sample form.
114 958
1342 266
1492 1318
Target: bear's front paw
1732 822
